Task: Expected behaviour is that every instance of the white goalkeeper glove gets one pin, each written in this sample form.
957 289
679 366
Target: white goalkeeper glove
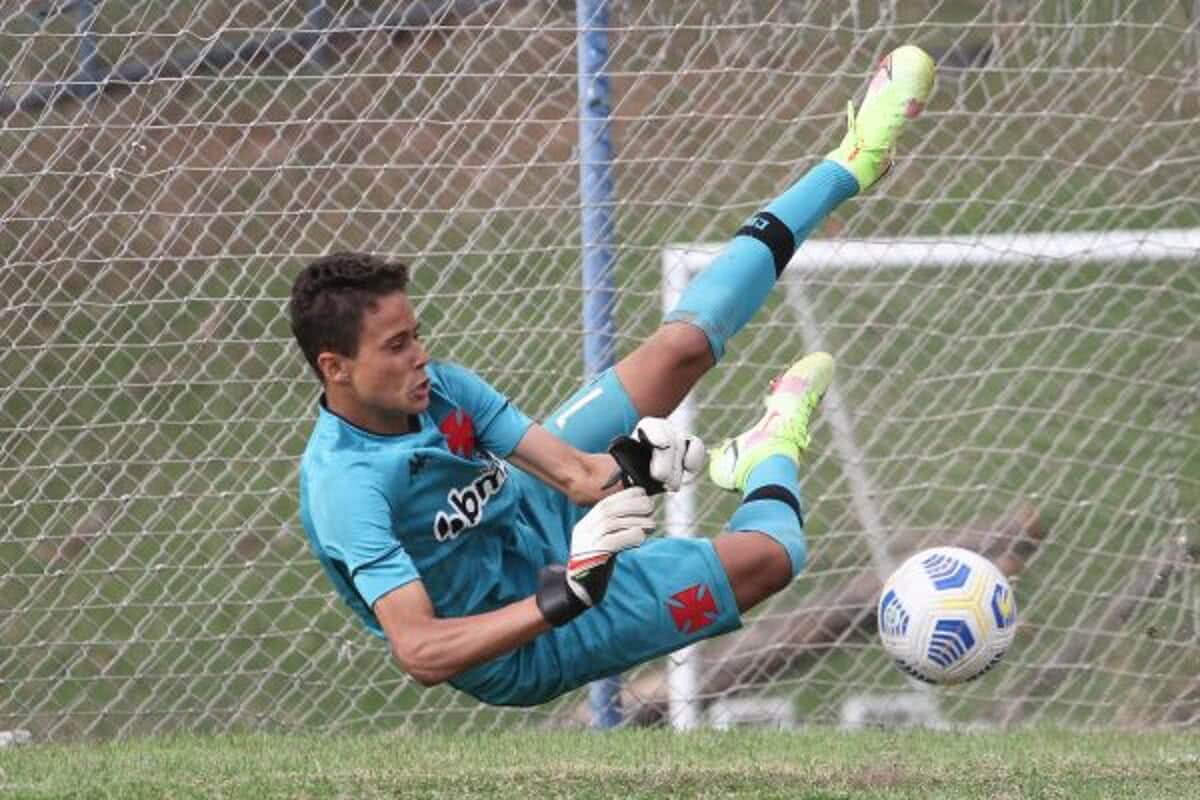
618 522
657 456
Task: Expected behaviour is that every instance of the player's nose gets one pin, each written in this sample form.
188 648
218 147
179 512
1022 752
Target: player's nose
422 354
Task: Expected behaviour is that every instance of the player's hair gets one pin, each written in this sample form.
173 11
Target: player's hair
330 297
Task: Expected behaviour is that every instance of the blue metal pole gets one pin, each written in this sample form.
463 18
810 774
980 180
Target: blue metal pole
596 196
596 187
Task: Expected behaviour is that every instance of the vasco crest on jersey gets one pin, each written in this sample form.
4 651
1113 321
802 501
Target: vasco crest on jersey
459 430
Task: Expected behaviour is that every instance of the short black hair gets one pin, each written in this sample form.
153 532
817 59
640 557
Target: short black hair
330 297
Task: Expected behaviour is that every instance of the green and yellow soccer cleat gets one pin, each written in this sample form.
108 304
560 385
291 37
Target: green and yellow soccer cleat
897 93
783 430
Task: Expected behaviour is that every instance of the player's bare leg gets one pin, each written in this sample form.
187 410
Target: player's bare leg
721 300
757 566
664 368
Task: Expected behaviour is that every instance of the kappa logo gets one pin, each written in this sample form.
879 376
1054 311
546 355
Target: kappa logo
467 503
693 608
416 463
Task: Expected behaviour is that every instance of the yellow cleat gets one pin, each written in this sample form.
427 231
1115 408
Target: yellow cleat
898 93
783 430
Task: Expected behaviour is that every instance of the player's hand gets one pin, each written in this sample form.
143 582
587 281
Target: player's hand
658 456
676 457
618 522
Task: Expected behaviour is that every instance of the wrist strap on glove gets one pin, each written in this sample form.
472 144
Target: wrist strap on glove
555 600
633 460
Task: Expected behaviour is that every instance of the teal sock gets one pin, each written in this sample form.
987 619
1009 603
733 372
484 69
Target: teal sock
822 189
771 504
723 298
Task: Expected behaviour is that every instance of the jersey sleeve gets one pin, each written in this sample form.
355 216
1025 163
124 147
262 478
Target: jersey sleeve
355 521
499 425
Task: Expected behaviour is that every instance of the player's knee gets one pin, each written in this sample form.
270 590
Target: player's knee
686 346
757 565
788 558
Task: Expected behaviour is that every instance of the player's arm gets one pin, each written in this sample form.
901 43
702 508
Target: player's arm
504 429
583 477
433 649
654 457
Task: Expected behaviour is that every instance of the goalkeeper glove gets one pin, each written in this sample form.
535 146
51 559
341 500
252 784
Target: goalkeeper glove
657 456
618 522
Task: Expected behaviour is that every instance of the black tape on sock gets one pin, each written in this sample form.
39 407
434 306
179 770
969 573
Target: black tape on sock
774 491
771 231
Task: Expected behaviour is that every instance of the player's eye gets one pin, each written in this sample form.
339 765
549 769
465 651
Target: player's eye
402 341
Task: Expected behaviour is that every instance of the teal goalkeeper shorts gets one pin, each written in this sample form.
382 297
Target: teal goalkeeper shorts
662 596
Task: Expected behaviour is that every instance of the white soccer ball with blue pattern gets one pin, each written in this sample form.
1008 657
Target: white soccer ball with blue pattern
947 615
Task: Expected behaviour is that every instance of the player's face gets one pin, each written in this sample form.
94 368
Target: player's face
387 376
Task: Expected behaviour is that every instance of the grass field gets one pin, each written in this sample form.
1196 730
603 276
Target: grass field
629 764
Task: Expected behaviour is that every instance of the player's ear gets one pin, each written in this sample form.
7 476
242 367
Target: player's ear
333 367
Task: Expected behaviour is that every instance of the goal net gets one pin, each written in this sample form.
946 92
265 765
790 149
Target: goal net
167 167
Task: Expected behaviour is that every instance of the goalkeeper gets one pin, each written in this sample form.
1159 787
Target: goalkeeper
507 557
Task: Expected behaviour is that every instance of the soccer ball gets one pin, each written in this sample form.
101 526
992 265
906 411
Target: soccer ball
947 615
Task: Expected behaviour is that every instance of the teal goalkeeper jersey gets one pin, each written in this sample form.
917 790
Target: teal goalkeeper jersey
438 504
